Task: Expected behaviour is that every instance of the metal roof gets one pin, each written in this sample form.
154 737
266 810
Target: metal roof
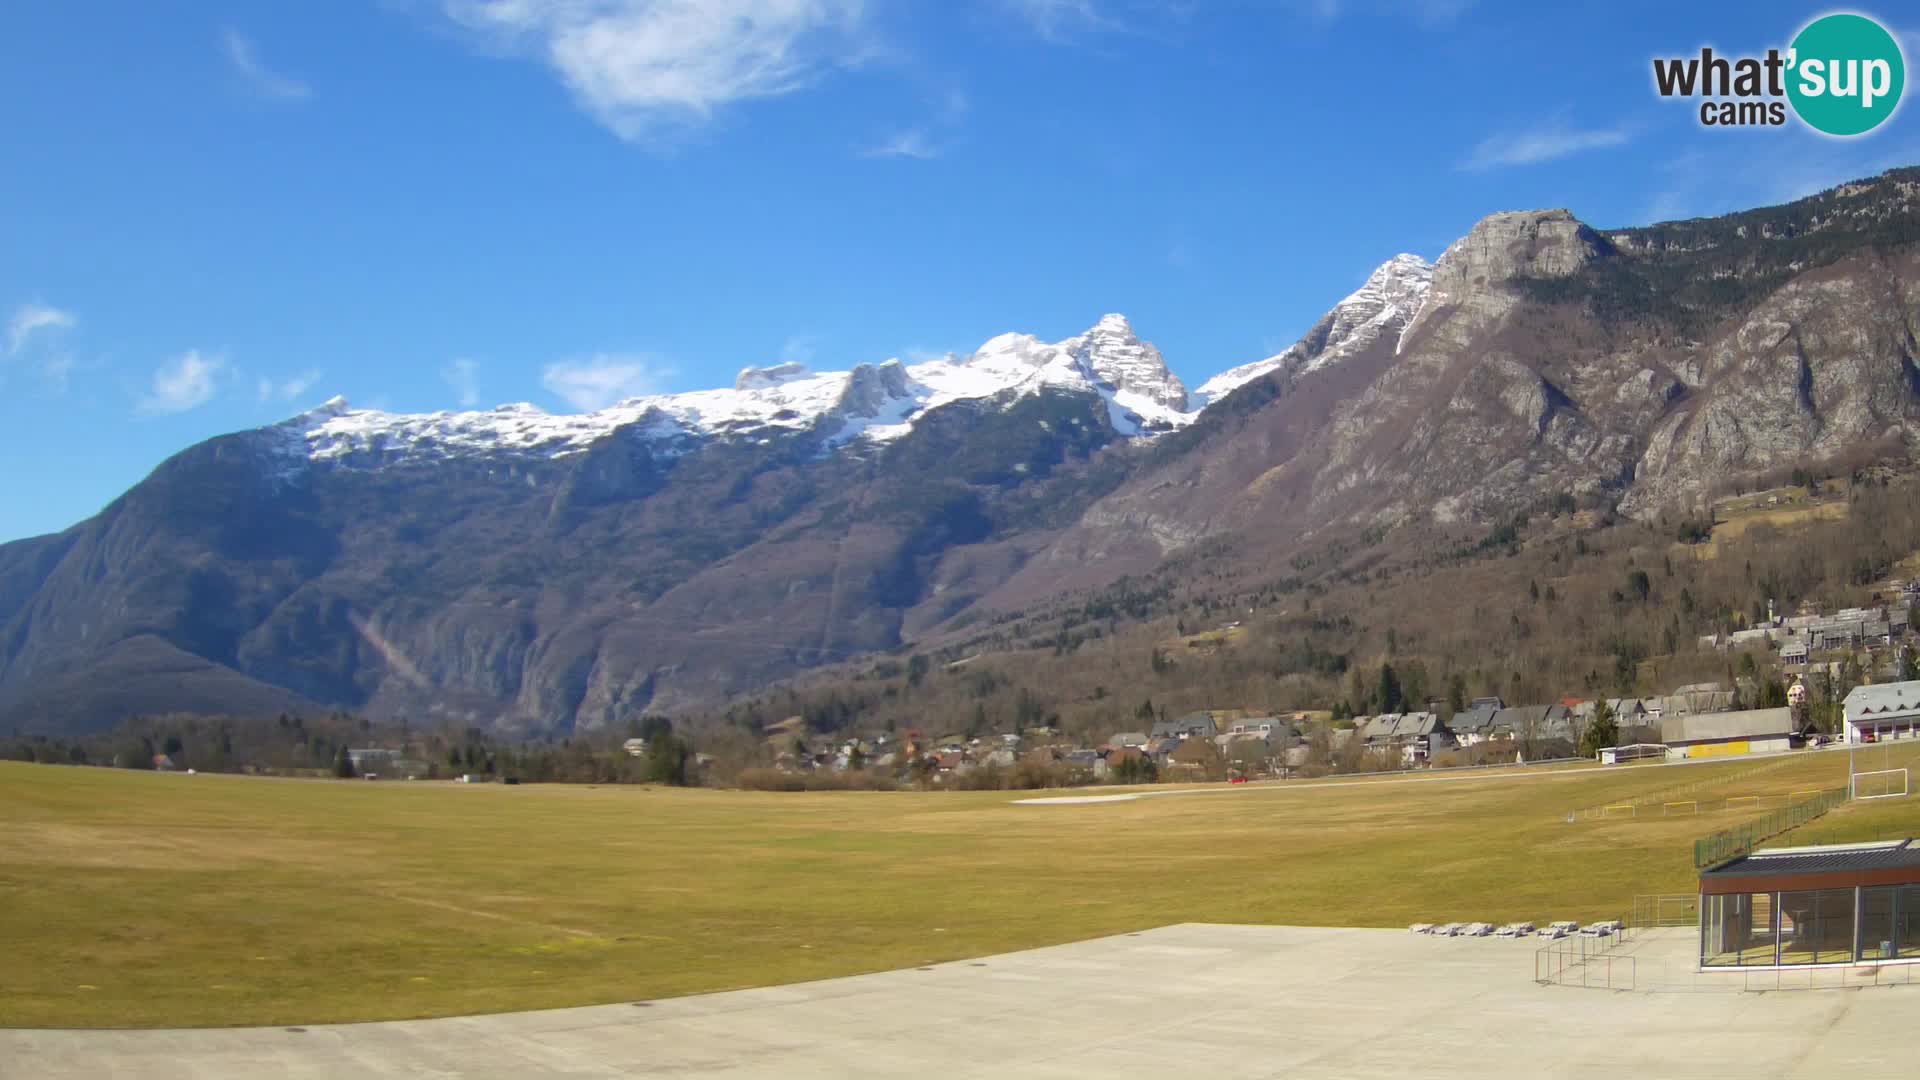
1779 862
1873 701
1705 727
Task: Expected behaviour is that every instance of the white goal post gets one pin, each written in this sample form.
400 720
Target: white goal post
1878 784
1625 809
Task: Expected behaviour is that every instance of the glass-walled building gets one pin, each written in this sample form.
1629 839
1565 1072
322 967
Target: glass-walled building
1838 904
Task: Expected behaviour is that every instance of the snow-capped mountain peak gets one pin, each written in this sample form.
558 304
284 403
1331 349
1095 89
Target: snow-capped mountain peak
1388 301
1111 352
870 403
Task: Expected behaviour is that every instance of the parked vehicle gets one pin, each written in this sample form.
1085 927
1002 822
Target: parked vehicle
1478 929
1421 928
1451 929
1515 929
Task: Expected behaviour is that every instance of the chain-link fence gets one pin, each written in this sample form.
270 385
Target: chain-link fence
1716 848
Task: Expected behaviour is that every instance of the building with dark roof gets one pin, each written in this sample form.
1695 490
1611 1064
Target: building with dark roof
1799 906
1474 724
1198 724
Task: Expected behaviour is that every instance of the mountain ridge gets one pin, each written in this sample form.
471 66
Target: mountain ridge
553 573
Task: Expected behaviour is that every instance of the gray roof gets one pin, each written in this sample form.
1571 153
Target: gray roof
1411 725
1898 854
1477 719
1711 727
1900 699
1539 721
1697 701
1198 721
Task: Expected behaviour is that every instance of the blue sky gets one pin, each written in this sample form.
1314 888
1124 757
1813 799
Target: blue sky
216 214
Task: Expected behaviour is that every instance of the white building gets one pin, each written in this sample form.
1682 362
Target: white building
1882 712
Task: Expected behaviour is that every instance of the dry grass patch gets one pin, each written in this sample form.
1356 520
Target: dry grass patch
352 901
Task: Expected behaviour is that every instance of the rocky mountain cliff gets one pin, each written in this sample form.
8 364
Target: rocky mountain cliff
516 568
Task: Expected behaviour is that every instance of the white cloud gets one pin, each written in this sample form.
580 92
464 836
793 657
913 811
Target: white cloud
289 388
463 375
599 381
30 319
644 68
264 80
907 144
1538 147
183 384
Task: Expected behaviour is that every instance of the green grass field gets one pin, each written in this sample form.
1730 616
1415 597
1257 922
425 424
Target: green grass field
138 899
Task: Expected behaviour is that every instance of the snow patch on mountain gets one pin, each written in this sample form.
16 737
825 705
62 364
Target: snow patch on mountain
1387 303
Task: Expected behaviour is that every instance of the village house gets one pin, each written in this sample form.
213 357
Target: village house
1162 748
1130 739
1198 724
1544 727
1273 730
1690 699
1474 724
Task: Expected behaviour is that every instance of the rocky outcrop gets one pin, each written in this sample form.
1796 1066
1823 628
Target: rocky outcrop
1113 354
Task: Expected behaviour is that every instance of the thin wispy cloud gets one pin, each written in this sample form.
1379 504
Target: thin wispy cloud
798 349
647 69
1057 18
599 381
1541 146
912 143
921 354
182 384
463 375
34 319
287 389
1727 176
58 370
1428 12
263 80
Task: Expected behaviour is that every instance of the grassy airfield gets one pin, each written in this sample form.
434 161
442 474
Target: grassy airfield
141 900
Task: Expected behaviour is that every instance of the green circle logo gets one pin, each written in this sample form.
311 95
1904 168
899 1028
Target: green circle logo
1846 74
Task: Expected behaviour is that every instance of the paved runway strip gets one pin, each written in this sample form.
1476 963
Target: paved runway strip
1232 1001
